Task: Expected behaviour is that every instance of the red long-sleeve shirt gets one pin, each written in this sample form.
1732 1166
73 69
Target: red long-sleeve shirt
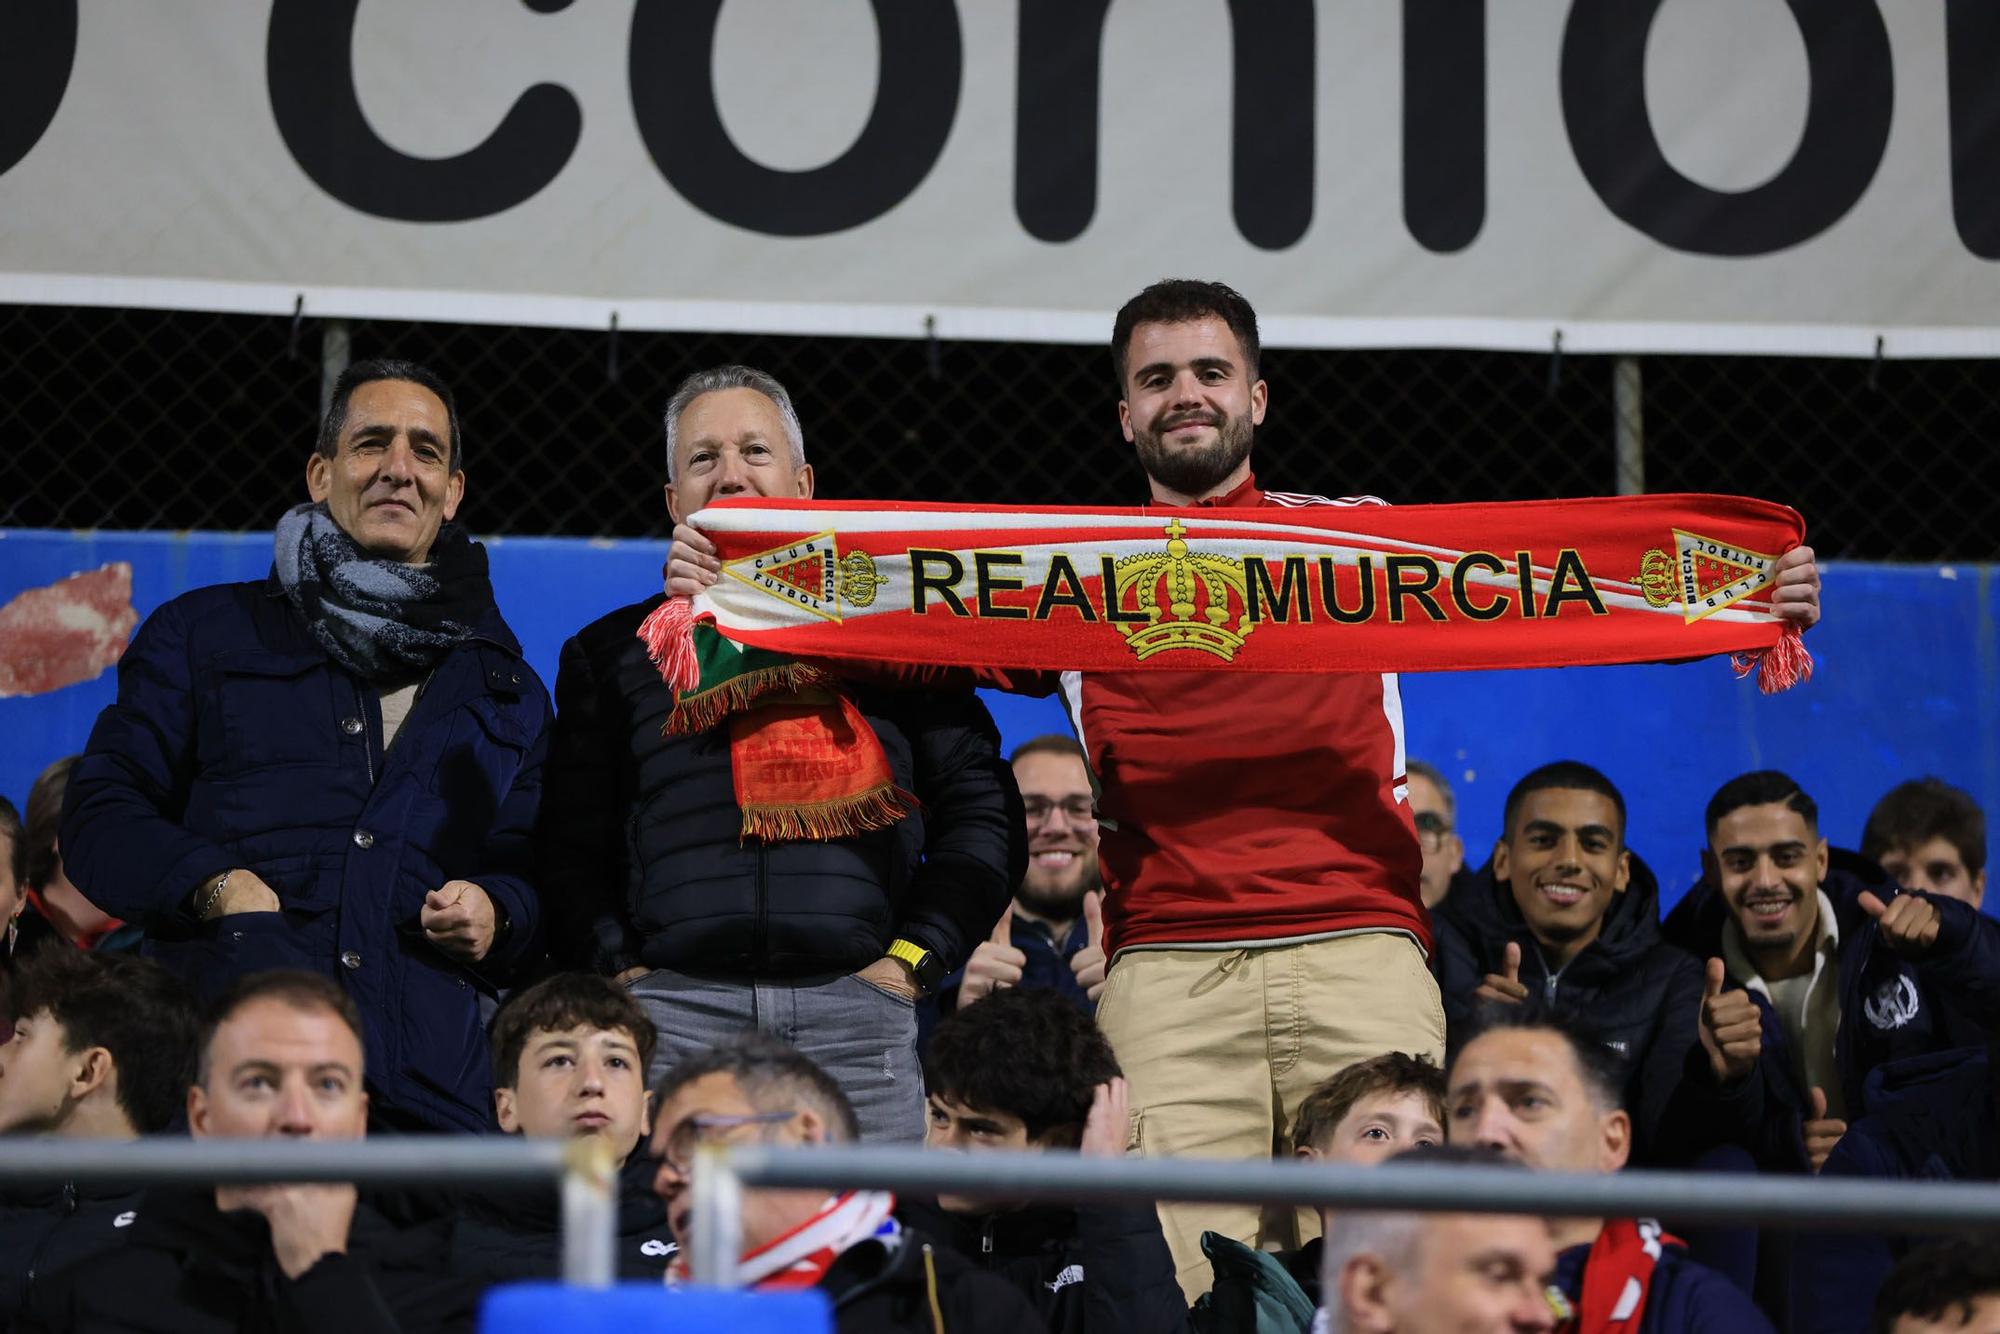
1250 807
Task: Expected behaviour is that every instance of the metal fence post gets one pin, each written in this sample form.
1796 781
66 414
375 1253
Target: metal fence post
589 1215
717 1223
1629 425
336 349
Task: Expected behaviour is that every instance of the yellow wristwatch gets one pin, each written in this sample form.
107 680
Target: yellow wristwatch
925 967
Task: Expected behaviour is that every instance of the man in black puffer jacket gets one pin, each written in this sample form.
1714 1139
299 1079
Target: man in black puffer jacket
1566 914
659 876
1026 1069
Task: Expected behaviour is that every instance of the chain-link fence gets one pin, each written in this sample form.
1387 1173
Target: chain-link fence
148 419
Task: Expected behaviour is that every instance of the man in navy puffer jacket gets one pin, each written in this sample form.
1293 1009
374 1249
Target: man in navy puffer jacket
337 768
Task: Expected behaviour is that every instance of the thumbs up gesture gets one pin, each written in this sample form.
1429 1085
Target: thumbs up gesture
1908 922
1089 962
1822 1131
1505 985
1732 1032
994 964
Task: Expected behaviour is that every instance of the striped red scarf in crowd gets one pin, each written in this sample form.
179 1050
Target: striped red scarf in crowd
1553 583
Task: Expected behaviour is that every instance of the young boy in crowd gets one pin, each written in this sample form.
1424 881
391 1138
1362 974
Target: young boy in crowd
1363 1116
569 1062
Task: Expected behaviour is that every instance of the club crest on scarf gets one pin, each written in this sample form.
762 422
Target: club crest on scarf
811 574
1703 575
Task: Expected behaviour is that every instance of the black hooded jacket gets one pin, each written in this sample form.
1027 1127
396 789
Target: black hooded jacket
643 859
1094 1269
46 1229
921 1286
507 1236
189 1268
1639 994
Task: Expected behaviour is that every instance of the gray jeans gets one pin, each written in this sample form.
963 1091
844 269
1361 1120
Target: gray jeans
859 1034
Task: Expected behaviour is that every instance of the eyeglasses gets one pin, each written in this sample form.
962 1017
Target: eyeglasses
704 1129
1431 827
1078 810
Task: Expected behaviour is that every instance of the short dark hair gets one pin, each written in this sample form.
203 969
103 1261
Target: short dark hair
1914 813
1334 1097
1763 787
1050 743
45 803
1023 1051
1943 1278
1182 301
385 368
773 1075
1602 1068
16 835
131 1007
295 987
561 1002
1569 775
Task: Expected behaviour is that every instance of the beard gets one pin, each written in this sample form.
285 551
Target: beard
1197 469
1060 893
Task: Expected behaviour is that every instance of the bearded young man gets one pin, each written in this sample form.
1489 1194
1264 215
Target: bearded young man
1052 934
337 768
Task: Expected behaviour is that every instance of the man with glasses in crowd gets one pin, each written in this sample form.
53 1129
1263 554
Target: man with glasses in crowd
878 1275
1052 934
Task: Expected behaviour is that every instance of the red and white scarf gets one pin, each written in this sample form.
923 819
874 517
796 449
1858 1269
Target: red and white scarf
1617 1278
800 1258
1366 589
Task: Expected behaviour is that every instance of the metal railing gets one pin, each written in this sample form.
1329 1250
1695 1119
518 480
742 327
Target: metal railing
583 1172
723 1172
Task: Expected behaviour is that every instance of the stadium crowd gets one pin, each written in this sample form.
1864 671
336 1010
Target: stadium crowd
335 864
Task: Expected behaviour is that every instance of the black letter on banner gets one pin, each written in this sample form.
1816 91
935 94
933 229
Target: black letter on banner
1847 127
1428 575
1462 595
1972 64
1444 122
1364 569
1287 599
309 61
1055 116
673 97
1060 53
37 50
1571 583
1063 589
989 583
923 581
1108 586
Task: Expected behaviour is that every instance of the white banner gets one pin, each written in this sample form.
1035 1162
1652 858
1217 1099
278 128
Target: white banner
1802 176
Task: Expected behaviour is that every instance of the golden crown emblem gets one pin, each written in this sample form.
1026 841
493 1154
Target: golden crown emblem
857 579
1658 579
1180 623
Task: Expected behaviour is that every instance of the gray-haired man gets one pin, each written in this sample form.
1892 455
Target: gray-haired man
656 875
